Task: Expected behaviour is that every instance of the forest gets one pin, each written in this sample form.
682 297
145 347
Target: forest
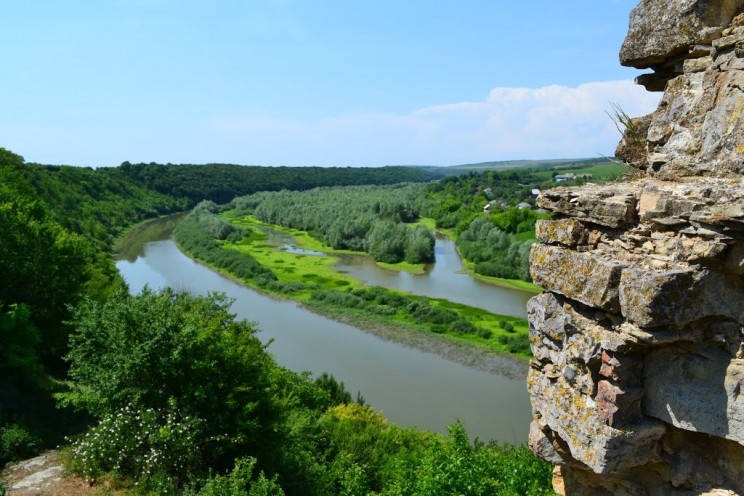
166 392
370 219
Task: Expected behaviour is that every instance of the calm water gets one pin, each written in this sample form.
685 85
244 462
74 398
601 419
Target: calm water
441 279
412 388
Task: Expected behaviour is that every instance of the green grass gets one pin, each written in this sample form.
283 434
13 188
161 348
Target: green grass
605 171
403 267
316 272
510 283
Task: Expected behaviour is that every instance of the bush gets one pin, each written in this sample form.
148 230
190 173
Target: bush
518 344
462 326
17 443
382 309
484 333
338 298
424 313
146 445
456 466
240 482
155 350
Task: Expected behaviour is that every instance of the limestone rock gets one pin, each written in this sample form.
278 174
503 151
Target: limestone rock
573 418
611 206
638 342
696 389
661 29
567 232
585 277
678 297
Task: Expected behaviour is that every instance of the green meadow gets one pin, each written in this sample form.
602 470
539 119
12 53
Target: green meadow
312 280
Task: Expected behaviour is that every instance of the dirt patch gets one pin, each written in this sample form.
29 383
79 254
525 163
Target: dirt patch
44 475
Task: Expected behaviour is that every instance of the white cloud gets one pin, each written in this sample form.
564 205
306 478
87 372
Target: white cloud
511 123
548 122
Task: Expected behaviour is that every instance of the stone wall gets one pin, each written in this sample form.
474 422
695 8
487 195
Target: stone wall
638 369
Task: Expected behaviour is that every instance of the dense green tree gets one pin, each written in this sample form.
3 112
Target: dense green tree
170 350
496 253
360 218
43 266
19 340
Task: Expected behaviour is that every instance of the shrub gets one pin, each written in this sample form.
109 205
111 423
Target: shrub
147 445
462 326
241 482
424 313
484 333
155 350
515 343
17 443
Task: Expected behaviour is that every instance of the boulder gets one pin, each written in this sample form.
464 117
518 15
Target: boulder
662 29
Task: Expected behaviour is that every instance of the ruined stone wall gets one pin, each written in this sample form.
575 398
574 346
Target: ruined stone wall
638 341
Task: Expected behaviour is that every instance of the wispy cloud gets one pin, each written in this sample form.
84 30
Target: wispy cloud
511 123
548 122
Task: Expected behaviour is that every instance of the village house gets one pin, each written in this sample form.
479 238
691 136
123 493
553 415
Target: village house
570 177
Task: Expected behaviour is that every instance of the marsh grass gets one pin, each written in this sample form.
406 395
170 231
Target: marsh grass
313 281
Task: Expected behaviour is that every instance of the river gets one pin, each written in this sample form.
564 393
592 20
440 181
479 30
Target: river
412 388
443 279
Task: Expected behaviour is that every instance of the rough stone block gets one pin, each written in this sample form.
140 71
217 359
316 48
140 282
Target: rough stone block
697 389
678 297
574 418
697 65
581 276
567 232
607 205
735 259
661 29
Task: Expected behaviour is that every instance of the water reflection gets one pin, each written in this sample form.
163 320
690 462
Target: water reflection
441 280
412 387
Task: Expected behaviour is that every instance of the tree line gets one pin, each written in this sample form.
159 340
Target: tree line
361 218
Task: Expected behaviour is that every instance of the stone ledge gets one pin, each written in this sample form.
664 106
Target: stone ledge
582 276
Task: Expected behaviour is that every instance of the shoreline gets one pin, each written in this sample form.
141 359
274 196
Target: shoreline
447 347
464 353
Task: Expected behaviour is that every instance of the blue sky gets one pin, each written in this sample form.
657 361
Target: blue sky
312 82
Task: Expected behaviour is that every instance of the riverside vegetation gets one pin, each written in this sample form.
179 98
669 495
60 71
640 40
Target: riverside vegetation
240 249
165 392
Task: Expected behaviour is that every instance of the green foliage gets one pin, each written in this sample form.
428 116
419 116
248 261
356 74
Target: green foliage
495 252
414 309
155 350
516 220
153 447
196 234
335 389
183 392
43 266
455 466
16 442
241 482
517 344
223 182
18 339
362 218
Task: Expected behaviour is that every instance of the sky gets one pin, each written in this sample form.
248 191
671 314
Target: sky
313 82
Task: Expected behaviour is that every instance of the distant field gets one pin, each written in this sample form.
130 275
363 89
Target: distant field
565 165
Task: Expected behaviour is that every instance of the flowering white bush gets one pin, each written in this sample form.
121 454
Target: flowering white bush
144 445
